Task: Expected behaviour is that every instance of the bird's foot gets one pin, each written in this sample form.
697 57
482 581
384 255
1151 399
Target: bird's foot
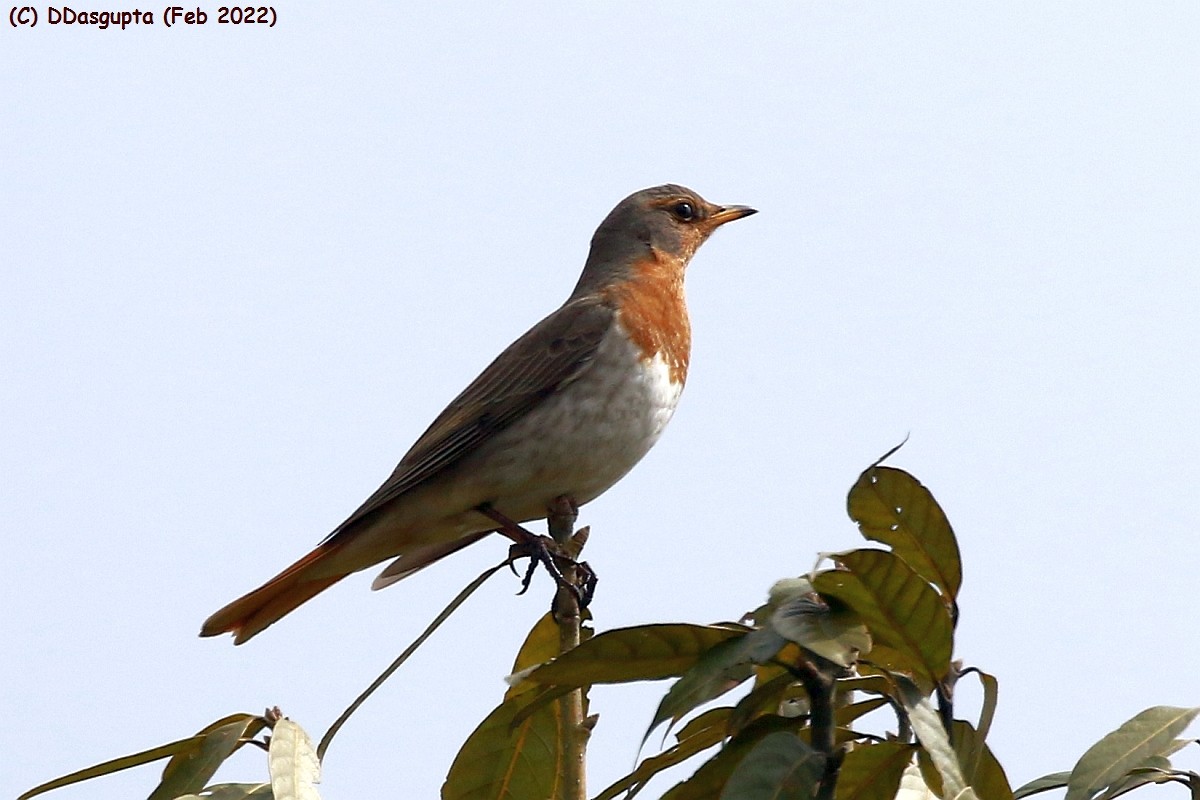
557 557
545 551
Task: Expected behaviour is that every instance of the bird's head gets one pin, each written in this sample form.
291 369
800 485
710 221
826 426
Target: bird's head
665 222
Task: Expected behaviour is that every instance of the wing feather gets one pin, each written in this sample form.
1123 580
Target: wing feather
552 353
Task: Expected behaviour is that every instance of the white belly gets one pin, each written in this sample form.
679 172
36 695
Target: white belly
584 439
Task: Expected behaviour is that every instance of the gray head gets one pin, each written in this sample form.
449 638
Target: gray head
665 222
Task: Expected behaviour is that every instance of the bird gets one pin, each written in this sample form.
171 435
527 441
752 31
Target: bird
565 411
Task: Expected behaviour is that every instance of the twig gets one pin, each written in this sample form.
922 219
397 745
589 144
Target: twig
945 697
819 687
573 732
395 665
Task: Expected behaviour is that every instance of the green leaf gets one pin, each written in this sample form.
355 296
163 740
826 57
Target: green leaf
722 668
892 507
1055 780
901 610
534 701
972 757
1178 745
1147 734
898 662
873 772
1058 780
987 779
503 759
702 722
763 645
540 646
293 763
708 781
780 767
703 732
117 764
980 767
838 636
927 725
913 785
763 698
1156 769
189 770
650 651
642 653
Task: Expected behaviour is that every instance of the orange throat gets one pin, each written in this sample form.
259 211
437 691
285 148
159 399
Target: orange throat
652 308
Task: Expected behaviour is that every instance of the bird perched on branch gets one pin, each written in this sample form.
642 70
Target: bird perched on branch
564 412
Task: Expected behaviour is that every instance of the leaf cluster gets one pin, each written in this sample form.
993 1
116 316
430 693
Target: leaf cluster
847 678
291 762
873 631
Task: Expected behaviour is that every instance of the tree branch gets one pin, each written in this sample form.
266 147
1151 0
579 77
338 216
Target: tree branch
574 730
819 687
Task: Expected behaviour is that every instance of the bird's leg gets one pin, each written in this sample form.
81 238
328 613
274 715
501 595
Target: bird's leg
560 519
525 542
508 527
541 549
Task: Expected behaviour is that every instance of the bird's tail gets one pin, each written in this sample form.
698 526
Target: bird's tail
250 614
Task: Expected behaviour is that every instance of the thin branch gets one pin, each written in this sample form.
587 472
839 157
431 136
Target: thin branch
945 697
412 648
574 730
820 689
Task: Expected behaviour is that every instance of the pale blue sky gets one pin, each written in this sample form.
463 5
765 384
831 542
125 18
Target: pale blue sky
244 268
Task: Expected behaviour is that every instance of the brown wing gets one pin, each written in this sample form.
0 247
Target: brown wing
549 355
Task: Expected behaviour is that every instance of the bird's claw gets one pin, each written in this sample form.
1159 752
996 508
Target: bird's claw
586 589
545 551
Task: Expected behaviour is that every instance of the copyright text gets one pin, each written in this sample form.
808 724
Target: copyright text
187 16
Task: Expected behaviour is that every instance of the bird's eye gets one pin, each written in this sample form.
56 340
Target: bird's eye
684 211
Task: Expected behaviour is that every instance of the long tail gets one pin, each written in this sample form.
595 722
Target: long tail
250 614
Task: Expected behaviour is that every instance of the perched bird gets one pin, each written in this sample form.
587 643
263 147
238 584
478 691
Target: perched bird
565 411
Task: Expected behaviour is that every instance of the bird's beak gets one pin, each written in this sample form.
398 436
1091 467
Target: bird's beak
729 214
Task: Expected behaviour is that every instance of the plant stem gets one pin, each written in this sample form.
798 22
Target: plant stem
945 697
819 687
573 732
